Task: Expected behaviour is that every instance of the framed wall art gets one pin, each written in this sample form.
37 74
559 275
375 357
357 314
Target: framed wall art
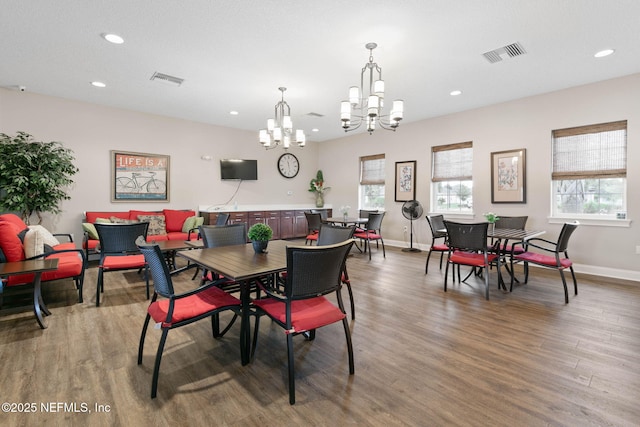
139 177
508 176
405 181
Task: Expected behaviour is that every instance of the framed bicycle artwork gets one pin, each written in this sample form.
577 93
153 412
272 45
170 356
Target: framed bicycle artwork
139 177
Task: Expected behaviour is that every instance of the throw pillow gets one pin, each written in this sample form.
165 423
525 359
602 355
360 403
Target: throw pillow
47 237
157 225
188 224
33 243
10 243
91 231
116 220
175 218
102 221
199 221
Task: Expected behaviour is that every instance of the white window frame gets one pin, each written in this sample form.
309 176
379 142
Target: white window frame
590 152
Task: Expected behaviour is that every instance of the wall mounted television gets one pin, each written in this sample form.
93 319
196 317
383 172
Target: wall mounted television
246 170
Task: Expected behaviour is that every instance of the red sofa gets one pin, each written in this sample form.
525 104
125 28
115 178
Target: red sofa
167 224
71 260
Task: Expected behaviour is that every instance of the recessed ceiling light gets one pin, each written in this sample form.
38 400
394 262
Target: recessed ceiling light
233 113
315 130
98 84
113 38
604 53
455 92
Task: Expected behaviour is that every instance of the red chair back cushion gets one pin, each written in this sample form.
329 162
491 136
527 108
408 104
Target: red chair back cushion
10 242
175 218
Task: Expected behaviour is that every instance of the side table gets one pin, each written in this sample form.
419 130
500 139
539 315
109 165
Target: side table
37 267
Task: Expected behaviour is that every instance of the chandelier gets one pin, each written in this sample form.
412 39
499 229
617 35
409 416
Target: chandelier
280 130
365 102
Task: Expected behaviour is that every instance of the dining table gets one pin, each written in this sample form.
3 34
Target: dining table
242 264
345 220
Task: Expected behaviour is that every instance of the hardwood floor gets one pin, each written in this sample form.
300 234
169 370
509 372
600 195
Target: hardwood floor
423 357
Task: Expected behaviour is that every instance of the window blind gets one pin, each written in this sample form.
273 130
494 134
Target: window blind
453 162
594 151
372 170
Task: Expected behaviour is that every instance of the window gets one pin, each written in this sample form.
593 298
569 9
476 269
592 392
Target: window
589 175
372 182
451 180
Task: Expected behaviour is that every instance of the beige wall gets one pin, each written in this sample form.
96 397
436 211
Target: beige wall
91 131
525 123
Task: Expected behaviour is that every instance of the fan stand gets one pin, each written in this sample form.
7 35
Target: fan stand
411 249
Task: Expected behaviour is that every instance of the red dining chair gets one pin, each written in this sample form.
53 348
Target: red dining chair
372 233
438 231
468 246
177 309
313 272
314 221
118 251
554 255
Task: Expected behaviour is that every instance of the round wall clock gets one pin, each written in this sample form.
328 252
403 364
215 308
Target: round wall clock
288 165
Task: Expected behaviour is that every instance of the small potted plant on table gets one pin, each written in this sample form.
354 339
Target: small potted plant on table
491 219
260 234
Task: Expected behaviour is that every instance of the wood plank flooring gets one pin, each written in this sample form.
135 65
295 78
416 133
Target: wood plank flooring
423 357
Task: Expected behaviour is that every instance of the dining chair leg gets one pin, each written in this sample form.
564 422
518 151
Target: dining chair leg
292 378
426 267
156 367
564 284
143 335
575 282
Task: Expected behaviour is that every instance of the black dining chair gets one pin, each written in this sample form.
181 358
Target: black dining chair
330 235
177 309
438 231
314 221
214 236
313 272
372 233
468 246
549 255
118 251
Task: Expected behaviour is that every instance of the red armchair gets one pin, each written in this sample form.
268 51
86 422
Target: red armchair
19 242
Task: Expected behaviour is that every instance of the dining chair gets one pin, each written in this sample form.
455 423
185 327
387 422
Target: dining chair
313 272
554 255
438 231
177 309
468 246
364 213
323 213
222 218
514 223
372 232
330 235
214 236
118 251
314 221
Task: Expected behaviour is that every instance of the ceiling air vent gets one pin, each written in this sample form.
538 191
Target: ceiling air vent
312 114
165 78
505 52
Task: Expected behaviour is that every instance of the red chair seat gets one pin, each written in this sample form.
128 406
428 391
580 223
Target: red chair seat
440 248
471 258
549 261
365 235
123 262
306 314
192 306
313 236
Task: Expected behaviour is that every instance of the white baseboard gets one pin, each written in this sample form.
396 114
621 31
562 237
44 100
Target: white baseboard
592 270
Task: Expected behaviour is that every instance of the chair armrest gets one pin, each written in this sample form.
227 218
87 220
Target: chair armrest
196 290
67 235
542 244
272 291
48 254
193 230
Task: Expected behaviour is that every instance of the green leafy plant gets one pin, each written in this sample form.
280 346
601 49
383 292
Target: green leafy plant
260 232
316 185
34 175
491 217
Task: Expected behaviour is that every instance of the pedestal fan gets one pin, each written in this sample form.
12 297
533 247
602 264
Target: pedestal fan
411 210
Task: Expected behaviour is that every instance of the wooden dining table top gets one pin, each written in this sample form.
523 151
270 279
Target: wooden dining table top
240 262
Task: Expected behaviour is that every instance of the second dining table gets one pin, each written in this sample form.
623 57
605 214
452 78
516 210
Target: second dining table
242 264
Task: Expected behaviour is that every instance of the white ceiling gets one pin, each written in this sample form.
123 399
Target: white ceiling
233 55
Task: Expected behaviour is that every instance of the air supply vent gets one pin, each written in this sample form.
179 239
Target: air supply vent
505 52
312 114
165 78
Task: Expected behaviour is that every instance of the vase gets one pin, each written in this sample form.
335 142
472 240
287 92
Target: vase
260 246
491 228
319 200
344 217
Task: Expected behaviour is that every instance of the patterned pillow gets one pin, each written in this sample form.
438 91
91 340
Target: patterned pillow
116 220
157 226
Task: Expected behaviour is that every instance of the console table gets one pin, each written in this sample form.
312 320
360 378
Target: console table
37 267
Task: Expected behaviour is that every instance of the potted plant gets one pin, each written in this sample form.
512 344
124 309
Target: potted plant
34 175
260 234
316 185
491 219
